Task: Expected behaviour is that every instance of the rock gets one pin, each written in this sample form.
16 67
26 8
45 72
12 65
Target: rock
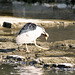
7 25
70 46
33 62
14 57
50 65
65 65
37 61
60 65
46 65
54 65
14 60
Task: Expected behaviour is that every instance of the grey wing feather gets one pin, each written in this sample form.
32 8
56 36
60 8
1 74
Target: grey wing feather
27 27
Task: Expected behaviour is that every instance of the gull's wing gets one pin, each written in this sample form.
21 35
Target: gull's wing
27 27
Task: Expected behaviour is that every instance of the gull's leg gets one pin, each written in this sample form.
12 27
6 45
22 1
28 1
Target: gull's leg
19 47
40 46
27 48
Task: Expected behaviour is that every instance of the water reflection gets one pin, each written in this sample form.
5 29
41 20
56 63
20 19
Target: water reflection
6 69
29 70
37 10
20 70
18 9
59 72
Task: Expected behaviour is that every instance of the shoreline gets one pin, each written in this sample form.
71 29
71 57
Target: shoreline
19 22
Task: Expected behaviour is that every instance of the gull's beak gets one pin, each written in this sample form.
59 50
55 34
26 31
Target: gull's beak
46 36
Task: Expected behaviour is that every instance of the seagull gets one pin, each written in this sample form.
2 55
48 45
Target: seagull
29 33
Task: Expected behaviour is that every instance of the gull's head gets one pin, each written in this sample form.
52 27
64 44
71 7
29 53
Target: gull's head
45 33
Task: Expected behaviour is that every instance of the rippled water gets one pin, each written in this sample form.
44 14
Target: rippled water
31 70
20 70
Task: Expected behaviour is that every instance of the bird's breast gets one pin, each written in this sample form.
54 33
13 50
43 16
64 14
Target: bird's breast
27 37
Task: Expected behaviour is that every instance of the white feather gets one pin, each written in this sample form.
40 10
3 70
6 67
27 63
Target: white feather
30 36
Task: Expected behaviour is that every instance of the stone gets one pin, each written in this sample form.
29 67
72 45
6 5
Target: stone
65 65
7 25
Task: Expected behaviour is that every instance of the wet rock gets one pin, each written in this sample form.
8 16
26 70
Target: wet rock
13 59
33 62
7 25
54 65
65 65
16 57
50 65
46 65
72 46
37 61
60 65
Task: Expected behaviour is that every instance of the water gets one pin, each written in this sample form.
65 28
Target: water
57 72
6 69
20 70
36 10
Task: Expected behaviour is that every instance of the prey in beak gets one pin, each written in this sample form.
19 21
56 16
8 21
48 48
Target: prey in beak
46 35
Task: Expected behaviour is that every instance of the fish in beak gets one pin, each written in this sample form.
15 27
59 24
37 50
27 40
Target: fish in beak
46 36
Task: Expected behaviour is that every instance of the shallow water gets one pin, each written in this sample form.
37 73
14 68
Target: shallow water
62 33
31 70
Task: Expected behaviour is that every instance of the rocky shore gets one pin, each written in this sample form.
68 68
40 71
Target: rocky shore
59 51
